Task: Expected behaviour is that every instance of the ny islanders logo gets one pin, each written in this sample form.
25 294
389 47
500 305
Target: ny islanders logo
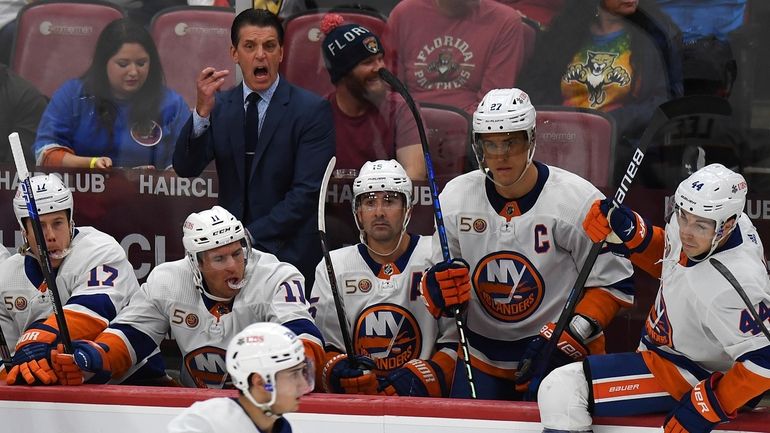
389 334
508 286
206 367
657 326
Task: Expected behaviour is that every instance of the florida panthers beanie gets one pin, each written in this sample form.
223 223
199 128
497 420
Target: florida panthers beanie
346 45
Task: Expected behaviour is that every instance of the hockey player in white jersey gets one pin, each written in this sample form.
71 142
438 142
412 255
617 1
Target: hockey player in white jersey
702 356
202 301
516 222
4 254
93 276
400 349
268 366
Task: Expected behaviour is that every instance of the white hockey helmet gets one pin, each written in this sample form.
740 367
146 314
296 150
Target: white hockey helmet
382 175
264 348
51 195
504 110
209 229
714 192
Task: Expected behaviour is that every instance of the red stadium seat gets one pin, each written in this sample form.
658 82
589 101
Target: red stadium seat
55 40
448 132
303 62
189 38
580 140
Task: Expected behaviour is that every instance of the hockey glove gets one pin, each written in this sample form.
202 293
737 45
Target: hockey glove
354 375
417 378
571 348
88 363
616 225
30 365
446 286
699 410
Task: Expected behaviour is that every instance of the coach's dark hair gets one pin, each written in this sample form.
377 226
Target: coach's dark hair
255 17
145 103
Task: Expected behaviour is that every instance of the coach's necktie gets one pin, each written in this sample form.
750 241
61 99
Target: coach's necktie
251 135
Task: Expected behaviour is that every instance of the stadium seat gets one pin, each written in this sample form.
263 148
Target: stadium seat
303 63
448 132
55 40
189 38
580 140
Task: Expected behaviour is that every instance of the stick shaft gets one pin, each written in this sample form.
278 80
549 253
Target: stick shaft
44 259
399 87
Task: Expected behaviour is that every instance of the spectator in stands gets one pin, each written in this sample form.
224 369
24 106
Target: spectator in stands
370 121
454 51
118 113
9 9
270 165
700 19
539 11
21 106
608 55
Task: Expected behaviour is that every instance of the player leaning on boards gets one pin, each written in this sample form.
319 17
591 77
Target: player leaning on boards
203 300
701 356
517 224
93 275
400 349
268 366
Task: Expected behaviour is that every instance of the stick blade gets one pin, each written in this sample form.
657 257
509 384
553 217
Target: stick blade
322 194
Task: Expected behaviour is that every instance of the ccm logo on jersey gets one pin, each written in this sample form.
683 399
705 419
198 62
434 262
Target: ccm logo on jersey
206 367
389 334
508 286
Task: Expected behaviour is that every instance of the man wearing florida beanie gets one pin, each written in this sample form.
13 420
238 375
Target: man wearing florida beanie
371 122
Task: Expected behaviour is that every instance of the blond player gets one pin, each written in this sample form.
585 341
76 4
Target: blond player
202 301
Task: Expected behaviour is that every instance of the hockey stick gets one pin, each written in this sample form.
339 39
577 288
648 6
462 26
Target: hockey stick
665 112
742 293
399 87
339 303
37 229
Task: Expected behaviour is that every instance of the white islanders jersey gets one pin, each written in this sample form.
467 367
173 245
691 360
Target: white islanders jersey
524 260
387 319
95 281
170 303
219 415
698 321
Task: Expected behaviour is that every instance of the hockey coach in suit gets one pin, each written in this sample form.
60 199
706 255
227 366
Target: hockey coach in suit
270 140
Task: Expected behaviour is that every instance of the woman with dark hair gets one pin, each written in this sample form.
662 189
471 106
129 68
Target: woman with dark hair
621 57
118 113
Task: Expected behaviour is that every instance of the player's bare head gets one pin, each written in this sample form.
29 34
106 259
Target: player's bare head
502 123
382 188
53 199
267 364
708 204
218 250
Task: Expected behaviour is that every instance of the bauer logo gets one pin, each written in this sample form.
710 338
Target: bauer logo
206 367
389 334
508 286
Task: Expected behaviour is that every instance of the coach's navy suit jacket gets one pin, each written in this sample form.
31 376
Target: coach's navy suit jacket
294 147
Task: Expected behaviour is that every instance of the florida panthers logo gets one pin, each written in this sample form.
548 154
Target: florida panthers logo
273 6
657 326
389 334
508 286
205 368
597 73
